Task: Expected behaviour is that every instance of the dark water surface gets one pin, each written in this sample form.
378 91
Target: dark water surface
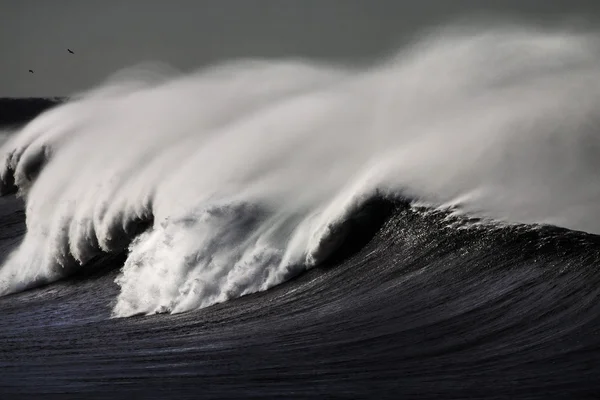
422 311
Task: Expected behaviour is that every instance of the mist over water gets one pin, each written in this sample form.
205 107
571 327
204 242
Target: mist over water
233 179
4 136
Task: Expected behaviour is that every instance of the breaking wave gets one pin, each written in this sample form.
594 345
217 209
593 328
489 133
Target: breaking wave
236 178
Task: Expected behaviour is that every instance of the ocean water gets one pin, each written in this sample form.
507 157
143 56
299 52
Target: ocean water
422 227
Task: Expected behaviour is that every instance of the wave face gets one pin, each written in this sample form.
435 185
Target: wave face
432 306
234 179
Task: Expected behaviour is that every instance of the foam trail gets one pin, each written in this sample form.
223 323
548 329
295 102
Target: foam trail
235 178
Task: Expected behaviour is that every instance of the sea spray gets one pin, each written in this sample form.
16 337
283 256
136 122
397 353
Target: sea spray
233 179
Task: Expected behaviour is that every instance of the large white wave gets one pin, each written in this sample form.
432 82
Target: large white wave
243 169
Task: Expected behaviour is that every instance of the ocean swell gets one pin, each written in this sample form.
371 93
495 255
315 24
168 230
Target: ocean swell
233 179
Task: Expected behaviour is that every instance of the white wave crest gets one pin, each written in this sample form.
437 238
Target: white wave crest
244 170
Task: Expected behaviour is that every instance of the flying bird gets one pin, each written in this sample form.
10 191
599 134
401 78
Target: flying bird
31 71
70 51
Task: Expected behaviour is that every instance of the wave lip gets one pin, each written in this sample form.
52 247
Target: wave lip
233 179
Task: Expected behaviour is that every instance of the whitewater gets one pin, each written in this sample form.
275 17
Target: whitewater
240 176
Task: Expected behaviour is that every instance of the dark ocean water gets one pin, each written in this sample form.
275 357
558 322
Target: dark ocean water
417 305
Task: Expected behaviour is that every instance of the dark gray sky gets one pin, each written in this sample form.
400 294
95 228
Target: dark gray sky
108 35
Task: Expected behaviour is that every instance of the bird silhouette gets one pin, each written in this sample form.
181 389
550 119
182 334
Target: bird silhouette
31 71
70 51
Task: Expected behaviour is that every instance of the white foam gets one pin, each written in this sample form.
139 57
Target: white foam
245 168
